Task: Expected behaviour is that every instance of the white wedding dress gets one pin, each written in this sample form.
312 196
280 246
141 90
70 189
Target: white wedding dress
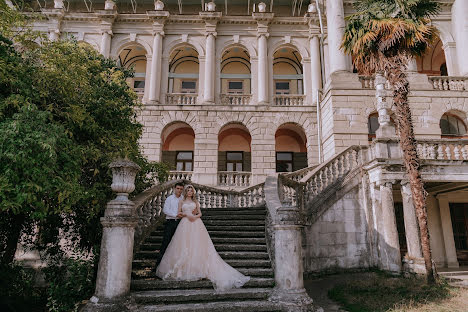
192 256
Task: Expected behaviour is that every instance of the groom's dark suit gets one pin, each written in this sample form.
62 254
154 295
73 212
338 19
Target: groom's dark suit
171 206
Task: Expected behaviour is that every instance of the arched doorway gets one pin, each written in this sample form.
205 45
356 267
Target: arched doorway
290 148
183 76
134 57
235 76
178 145
288 77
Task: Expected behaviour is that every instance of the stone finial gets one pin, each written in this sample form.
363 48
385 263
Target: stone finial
312 8
58 4
158 5
123 178
109 5
211 6
261 7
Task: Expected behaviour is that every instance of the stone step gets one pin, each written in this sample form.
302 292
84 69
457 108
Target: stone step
234 222
224 254
220 233
233 217
230 212
236 263
198 295
453 273
154 242
236 228
252 272
157 284
224 306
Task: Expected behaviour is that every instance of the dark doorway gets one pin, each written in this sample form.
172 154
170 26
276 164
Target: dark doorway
459 215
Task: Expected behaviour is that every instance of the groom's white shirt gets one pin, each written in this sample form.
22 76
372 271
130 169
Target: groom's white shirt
171 206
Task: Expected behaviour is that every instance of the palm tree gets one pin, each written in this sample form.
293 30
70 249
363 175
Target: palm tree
383 36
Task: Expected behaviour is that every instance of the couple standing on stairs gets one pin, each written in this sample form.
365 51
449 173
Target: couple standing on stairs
187 252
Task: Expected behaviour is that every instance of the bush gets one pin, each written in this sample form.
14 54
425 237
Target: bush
18 291
68 284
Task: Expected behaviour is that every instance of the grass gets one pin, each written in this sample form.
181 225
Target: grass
380 292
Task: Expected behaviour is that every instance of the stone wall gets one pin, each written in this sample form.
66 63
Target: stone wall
338 239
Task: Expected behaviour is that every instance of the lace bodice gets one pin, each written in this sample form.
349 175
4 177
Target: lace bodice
187 208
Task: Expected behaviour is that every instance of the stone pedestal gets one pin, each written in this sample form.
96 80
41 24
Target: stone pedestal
289 268
115 262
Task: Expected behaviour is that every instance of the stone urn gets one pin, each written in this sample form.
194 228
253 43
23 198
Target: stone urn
312 8
58 4
123 178
109 5
211 6
158 5
261 7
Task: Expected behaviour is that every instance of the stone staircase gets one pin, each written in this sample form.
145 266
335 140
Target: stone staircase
239 237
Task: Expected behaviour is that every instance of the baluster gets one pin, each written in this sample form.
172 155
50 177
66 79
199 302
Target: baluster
456 152
440 152
212 200
465 151
242 201
448 152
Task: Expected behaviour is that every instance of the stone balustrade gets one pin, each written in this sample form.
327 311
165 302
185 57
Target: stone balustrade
289 100
447 149
234 178
180 175
368 82
236 99
298 175
333 170
449 83
181 99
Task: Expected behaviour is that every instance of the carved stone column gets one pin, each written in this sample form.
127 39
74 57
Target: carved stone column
159 18
211 19
119 221
263 19
447 230
335 20
386 128
389 246
414 261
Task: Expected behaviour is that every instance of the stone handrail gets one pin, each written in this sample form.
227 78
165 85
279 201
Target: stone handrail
236 99
445 149
180 175
181 98
298 175
449 83
334 169
234 178
289 99
368 82
149 204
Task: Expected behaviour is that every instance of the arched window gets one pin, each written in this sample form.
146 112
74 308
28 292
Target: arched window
451 125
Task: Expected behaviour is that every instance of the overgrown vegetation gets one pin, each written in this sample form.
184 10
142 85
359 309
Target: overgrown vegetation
65 113
379 292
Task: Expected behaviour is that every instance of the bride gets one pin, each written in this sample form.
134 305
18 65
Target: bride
191 254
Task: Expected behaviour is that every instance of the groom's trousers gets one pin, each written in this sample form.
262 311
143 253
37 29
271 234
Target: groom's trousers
170 226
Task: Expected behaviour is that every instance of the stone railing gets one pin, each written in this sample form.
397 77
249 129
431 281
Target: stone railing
180 175
368 82
235 99
298 175
234 178
289 99
181 99
449 83
333 170
149 204
448 149
291 193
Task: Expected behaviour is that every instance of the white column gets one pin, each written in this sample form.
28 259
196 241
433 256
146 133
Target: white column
315 67
460 32
209 68
336 25
155 80
106 42
388 244
148 73
450 51
447 231
262 69
413 240
54 34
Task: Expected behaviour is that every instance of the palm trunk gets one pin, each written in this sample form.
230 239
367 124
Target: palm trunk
399 81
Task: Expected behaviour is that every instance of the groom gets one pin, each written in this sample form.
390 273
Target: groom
171 207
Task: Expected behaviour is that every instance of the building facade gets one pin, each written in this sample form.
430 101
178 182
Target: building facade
235 91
